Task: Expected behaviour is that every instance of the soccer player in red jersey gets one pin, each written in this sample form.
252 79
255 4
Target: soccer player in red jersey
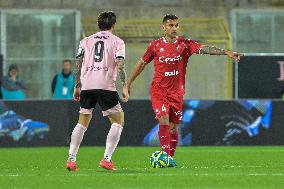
170 54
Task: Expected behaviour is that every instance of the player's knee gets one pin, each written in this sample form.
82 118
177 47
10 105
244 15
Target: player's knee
174 127
175 130
83 124
121 123
117 121
164 120
80 126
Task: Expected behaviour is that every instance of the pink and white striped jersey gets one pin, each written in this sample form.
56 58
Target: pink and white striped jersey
99 69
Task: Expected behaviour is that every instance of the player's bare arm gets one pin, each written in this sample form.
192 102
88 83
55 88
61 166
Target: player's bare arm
121 70
77 71
122 76
212 50
77 74
137 70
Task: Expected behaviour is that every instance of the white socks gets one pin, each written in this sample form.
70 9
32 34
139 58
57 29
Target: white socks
76 139
112 140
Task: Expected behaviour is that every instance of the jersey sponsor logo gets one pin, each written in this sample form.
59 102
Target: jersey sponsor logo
95 68
173 73
170 60
98 68
101 37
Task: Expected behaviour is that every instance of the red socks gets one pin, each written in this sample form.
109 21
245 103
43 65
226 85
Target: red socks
173 142
165 138
168 139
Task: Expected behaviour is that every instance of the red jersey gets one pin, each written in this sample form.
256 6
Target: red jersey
170 62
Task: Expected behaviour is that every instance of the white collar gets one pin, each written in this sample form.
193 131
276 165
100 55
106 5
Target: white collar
164 39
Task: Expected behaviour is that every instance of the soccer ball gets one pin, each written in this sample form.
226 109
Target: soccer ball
160 159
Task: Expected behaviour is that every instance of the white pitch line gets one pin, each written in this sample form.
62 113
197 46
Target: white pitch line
230 151
147 174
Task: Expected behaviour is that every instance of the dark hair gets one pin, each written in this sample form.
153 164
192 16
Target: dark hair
66 60
13 67
169 17
106 20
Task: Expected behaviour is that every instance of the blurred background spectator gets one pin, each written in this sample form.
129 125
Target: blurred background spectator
37 41
62 86
13 87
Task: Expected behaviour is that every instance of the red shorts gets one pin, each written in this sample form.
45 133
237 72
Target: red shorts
171 105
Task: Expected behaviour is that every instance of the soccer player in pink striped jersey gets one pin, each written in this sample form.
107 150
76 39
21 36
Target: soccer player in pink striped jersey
100 59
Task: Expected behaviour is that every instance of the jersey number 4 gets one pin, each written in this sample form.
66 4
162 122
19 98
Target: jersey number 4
99 51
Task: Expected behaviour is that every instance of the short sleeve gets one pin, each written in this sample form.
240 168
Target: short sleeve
194 47
149 54
120 49
81 50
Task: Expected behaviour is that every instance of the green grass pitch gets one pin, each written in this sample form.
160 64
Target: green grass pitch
199 167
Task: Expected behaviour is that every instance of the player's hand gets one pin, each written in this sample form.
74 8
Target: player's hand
76 94
234 55
128 88
125 94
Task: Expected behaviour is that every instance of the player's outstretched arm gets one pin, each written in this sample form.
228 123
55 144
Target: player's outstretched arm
137 70
217 51
77 74
122 76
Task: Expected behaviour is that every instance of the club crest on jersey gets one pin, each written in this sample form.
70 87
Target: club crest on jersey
161 49
170 60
